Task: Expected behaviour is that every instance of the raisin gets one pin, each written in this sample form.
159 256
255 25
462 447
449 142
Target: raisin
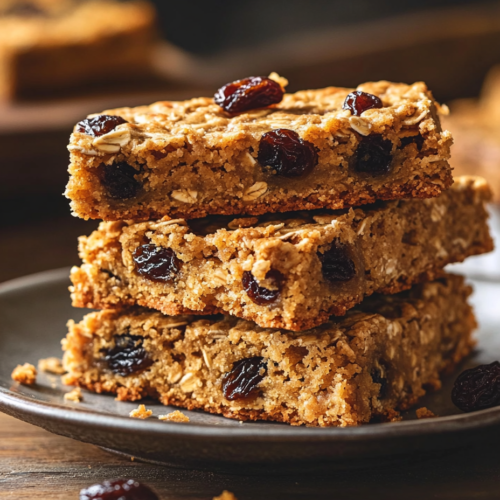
259 294
477 388
128 356
373 155
99 125
119 181
358 102
378 378
242 381
287 153
418 140
156 263
336 264
250 93
118 489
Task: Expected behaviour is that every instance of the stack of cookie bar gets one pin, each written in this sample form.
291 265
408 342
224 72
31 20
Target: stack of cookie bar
273 256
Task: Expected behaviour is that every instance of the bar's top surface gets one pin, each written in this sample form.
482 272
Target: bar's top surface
308 112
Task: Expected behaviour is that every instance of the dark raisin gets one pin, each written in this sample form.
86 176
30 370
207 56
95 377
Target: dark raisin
25 9
287 153
99 125
418 140
128 356
118 489
373 155
156 263
250 93
477 388
358 102
336 264
119 181
259 294
242 381
378 378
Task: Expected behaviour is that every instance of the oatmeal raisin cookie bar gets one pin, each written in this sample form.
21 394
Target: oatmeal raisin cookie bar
375 360
282 271
191 159
52 45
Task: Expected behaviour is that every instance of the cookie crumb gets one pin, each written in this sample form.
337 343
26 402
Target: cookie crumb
140 412
392 415
75 395
175 416
24 374
425 413
51 365
225 495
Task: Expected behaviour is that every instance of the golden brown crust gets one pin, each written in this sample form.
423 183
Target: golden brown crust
376 360
345 199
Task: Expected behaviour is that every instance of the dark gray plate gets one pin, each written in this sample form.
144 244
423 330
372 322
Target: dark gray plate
33 314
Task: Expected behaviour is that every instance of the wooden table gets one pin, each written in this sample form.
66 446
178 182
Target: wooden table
37 465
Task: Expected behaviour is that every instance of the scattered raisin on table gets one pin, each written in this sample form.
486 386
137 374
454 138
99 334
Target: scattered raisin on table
128 356
242 381
260 295
287 153
118 489
373 155
119 180
247 94
477 388
99 125
418 140
156 263
358 102
336 264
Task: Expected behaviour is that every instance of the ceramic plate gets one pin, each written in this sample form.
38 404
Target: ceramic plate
33 314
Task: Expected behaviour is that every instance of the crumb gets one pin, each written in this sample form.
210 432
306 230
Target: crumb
175 416
75 395
140 412
132 459
425 413
25 374
393 416
225 495
51 365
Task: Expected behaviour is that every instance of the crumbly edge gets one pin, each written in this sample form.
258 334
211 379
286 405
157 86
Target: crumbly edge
92 289
438 308
88 300
412 189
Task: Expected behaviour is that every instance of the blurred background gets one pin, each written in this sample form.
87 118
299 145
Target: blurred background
63 59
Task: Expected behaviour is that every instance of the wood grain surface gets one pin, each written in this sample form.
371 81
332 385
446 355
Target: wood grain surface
37 465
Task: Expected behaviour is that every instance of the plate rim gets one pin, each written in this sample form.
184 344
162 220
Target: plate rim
19 404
